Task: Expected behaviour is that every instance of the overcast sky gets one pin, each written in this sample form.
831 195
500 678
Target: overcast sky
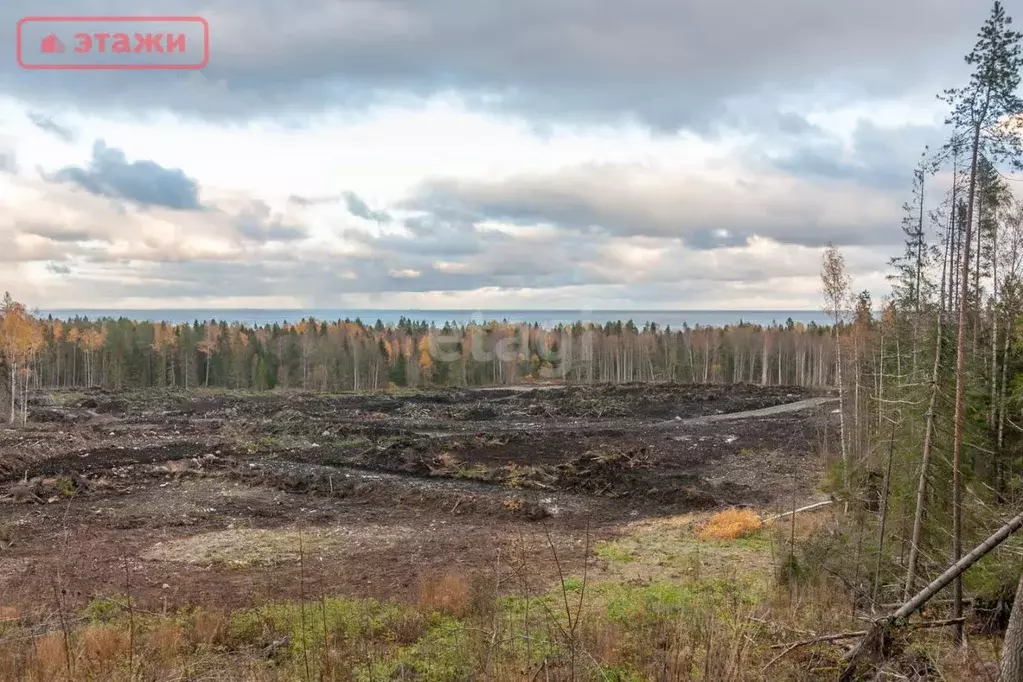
478 154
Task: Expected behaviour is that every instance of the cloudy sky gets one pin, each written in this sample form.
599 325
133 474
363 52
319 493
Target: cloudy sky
477 154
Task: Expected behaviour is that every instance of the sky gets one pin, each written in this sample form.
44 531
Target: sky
559 154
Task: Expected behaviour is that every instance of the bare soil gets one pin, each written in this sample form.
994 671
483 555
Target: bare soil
212 497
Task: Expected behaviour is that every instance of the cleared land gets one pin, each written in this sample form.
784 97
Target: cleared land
212 498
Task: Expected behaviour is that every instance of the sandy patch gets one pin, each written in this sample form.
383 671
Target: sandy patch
243 547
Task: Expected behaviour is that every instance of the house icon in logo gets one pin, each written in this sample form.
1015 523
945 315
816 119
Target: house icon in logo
51 45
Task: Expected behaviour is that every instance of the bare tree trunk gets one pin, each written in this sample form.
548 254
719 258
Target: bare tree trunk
1004 380
880 379
763 367
925 464
884 516
14 391
925 458
841 405
1012 648
24 400
856 395
976 275
994 328
957 452
778 340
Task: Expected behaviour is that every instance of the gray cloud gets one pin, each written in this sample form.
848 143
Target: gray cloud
58 233
358 208
883 158
552 264
145 182
8 162
47 124
800 185
601 201
670 63
258 224
310 201
58 269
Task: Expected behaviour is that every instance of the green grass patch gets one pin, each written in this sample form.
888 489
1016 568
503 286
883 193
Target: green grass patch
613 551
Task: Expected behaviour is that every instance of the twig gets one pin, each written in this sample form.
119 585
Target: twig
131 621
564 591
821 638
852 635
126 607
301 606
66 631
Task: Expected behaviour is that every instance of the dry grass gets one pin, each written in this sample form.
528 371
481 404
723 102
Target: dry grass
447 593
209 629
166 642
448 461
730 524
48 659
703 624
100 649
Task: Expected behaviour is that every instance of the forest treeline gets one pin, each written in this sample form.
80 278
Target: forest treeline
345 355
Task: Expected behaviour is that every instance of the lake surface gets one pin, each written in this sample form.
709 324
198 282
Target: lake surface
546 318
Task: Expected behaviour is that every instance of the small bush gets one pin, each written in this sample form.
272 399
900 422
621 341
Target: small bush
730 524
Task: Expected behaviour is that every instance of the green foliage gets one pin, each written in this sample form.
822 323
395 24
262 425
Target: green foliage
396 374
65 486
105 609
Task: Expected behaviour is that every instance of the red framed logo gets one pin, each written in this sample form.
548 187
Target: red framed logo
112 43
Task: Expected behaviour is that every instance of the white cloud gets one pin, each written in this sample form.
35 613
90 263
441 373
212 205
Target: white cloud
385 155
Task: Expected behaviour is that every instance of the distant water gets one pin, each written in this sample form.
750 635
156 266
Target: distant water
546 318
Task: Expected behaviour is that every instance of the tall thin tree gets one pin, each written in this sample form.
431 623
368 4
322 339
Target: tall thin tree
986 107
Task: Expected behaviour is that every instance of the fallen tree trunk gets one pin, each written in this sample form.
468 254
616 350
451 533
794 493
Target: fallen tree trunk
809 507
873 644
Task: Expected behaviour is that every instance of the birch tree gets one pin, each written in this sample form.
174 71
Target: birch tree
836 283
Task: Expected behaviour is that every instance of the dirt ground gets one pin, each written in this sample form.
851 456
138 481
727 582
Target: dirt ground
215 497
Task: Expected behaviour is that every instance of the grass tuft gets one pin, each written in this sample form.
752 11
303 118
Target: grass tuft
730 524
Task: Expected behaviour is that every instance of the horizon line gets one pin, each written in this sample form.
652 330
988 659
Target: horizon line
466 310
